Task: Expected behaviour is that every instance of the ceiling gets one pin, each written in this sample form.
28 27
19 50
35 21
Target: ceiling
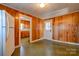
50 9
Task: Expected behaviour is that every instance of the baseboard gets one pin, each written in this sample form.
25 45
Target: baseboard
65 42
36 40
17 46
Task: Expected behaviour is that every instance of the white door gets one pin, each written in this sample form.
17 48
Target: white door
10 35
8 31
48 30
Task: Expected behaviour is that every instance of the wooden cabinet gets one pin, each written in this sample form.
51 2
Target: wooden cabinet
25 34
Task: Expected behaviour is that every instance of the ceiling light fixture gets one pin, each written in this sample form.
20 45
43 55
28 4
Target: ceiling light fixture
42 5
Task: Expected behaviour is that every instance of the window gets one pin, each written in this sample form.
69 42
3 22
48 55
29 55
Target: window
21 26
47 26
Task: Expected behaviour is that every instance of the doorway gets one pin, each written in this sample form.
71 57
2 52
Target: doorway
48 29
25 30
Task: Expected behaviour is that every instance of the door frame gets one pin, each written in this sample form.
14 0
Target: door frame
50 20
30 19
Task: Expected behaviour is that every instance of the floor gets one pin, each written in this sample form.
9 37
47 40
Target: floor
46 48
25 41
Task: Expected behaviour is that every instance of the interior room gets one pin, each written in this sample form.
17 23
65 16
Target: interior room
39 29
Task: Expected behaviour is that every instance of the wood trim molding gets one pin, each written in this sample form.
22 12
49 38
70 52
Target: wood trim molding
65 42
36 40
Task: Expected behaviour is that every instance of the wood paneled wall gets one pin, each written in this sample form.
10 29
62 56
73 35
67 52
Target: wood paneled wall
17 29
37 28
36 24
66 27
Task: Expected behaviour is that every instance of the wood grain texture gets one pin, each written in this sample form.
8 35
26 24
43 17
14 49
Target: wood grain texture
26 33
66 27
37 28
